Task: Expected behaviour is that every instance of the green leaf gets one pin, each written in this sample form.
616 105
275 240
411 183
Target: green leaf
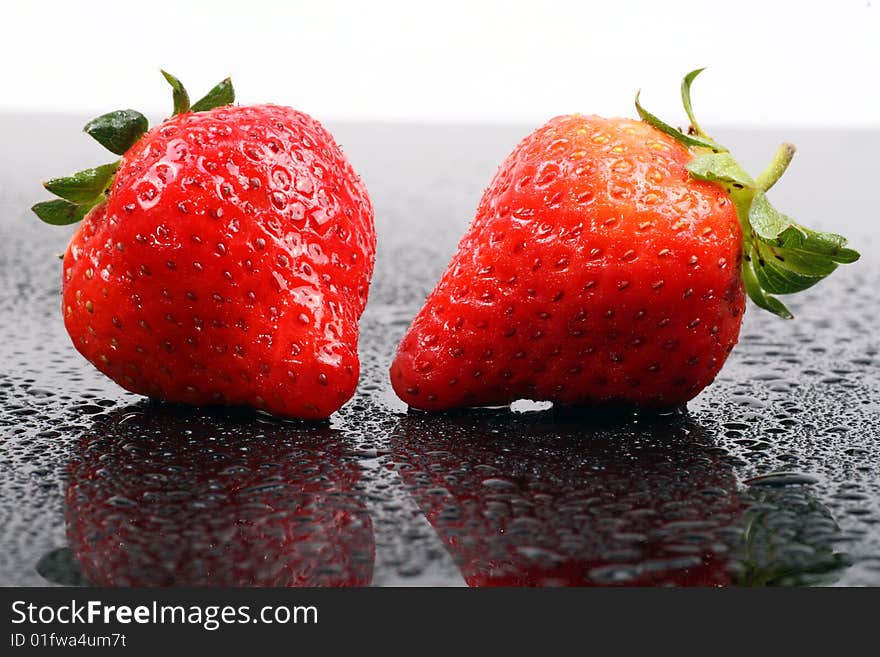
222 94
787 272
767 222
59 212
829 245
780 231
686 99
181 98
118 131
84 186
720 168
788 258
845 256
678 135
759 296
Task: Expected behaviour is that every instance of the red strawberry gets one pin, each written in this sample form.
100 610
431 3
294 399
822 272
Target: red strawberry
225 259
164 497
605 264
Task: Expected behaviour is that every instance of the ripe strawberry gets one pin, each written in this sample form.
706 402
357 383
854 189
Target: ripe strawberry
225 259
606 264
167 497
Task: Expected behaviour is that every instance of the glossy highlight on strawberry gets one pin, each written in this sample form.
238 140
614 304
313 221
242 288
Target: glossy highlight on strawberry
227 262
608 264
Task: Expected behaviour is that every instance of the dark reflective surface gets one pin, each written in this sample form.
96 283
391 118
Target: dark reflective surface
773 477
162 496
567 499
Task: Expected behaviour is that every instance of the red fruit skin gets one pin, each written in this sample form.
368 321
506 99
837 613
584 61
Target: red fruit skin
596 271
230 264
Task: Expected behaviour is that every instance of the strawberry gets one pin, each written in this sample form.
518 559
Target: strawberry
607 264
225 259
169 497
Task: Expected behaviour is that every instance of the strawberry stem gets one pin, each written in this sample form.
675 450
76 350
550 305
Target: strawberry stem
777 167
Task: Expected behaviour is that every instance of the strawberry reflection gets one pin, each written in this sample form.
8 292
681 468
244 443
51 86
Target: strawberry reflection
557 499
162 496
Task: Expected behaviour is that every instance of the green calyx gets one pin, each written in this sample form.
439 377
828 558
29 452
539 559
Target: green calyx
779 255
117 132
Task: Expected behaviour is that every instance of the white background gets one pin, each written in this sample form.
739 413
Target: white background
780 63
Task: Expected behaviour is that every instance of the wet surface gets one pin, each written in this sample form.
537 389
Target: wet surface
771 477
